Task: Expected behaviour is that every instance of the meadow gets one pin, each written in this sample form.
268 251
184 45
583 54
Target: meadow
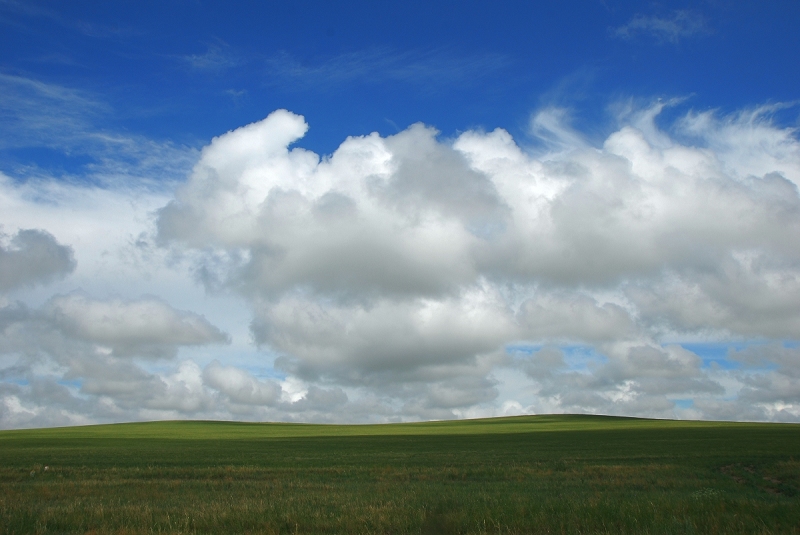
530 474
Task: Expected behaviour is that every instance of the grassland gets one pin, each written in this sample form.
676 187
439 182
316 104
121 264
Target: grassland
537 474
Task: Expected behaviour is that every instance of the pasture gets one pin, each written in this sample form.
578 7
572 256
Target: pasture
530 474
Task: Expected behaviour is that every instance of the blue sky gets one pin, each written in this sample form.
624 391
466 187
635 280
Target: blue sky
438 210
187 71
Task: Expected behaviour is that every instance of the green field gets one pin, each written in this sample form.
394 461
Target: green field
532 474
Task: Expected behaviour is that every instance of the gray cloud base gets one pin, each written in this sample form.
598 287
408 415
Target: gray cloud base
33 257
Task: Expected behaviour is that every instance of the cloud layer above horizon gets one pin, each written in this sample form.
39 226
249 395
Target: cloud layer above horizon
416 277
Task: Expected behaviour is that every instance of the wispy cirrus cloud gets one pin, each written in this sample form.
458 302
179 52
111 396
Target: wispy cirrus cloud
15 13
435 68
71 123
672 28
38 113
219 56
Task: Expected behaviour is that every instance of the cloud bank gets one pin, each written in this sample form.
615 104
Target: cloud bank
412 276
410 258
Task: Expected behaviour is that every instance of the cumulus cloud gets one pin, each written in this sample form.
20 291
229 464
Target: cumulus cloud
386 335
73 328
146 327
770 381
239 386
78 360
406 265
98 345
631 378
32 257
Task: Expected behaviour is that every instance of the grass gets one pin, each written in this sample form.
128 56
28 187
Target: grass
533 474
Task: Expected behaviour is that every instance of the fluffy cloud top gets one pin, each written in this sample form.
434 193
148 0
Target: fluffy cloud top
410 217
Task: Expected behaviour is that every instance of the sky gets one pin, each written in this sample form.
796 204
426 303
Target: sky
364 212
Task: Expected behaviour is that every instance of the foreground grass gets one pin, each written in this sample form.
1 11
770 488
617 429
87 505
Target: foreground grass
538 474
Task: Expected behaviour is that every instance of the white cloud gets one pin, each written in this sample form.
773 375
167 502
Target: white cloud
98 345
239 386
74 326
413 277
143 327
401 262
385 340
635 378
